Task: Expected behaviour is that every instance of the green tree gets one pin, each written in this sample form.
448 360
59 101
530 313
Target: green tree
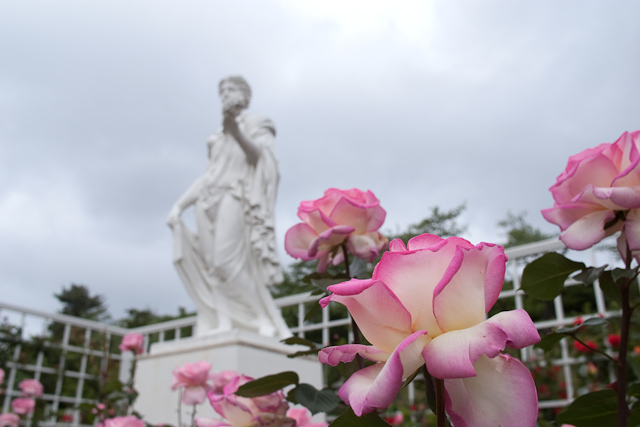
519 232
77 301
441 223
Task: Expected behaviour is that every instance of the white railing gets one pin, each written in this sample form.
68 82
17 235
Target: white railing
93 346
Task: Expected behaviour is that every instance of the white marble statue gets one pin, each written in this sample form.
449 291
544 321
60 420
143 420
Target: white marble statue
228 264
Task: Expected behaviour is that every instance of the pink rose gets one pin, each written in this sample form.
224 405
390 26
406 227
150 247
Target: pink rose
195 379
1 375
132 342
239 411
23 405
599 188
341 216
9 420
31 388
128 421
221 379
303 418
435 294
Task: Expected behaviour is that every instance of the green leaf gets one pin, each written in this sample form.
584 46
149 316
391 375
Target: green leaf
634 390
620 273
291 396
315 308
298 340
609 288
544 278
358 267
315 400
589 275
430 389
310 352
267 385
593 321
549 341
597 409
349 419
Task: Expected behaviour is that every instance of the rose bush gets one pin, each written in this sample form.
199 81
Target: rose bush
435 294
340 216
598 194
196 381
31 388
132 342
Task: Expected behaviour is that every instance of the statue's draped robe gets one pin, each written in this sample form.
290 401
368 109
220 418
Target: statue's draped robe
229 263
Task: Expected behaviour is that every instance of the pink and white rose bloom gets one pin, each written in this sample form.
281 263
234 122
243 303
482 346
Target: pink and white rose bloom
127 421
435 294
23 405
340 216
196 381
132 342
302 416
31 388
269 410
600 186
9 420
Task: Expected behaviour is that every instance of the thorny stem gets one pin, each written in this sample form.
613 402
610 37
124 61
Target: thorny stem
354 326
624 343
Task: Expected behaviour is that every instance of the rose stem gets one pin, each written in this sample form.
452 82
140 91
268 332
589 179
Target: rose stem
440 417
180 409
354 326
624 343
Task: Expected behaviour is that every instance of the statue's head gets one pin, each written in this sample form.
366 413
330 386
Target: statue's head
235 93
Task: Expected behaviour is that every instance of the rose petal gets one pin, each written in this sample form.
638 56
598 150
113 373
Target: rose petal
413 275
587 231
503 394
346 353
376 386
231 409
453 354
363 218
366 300
470 286
298 239
582 175
194 395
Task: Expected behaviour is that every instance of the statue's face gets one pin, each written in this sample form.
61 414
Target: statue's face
231 96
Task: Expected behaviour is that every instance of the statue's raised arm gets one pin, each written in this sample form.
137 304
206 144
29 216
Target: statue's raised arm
230 260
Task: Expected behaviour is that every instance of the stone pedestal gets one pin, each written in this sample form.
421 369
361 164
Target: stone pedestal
242 351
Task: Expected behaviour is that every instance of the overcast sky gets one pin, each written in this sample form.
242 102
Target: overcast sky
106 106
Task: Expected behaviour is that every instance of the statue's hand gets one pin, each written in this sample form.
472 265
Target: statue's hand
229 123
174 216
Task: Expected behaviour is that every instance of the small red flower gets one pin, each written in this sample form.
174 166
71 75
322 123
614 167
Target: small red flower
584 349
613 340
578 321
